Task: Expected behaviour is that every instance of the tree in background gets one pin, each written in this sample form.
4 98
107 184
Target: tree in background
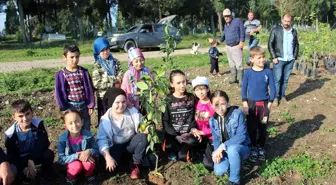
12 19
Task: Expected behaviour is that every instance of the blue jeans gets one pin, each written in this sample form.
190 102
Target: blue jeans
282 71
84 111
253 42
232 158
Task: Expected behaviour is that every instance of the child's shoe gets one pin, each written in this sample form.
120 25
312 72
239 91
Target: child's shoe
254 154
218 74
261 154
70 181
92 180
135 171
172 157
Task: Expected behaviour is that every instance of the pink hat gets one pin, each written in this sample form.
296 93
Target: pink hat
134 53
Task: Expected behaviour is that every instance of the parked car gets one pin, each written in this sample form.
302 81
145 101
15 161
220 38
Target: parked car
145 35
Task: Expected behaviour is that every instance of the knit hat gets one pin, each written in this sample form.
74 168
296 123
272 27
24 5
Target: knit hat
98 45
134 53
200 80
111 94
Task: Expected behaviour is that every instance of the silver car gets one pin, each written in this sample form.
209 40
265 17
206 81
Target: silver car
145 35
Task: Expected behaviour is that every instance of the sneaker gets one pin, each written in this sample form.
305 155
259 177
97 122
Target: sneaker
135 171
218 74
275 102
254 155
92 180
70 181
232 183
172 157
261 154
212 75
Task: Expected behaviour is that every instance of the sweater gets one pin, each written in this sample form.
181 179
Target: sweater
179 116
234 32
62 86
255 85
111 132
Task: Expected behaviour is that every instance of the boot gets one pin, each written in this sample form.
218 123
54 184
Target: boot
233 77
240 77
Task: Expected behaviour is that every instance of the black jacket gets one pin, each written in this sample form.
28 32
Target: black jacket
3 156
41 143
275 41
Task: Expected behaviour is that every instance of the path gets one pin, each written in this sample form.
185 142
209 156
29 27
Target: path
6 67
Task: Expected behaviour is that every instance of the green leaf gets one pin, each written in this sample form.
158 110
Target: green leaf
152 145
150 97
142 85
149 116
163 108
149 137
148 147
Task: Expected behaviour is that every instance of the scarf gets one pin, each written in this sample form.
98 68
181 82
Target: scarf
108 66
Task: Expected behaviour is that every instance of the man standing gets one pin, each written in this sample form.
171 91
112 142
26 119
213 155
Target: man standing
234 36
252 28
283 45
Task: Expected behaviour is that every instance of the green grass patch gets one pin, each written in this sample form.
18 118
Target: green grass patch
198 170
308 167
287 116
273 131
51 120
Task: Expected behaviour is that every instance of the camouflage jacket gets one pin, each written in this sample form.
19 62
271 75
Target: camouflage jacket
101 81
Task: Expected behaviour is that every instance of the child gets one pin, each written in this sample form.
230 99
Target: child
203 113
118 132
134 74
77 148
214 54
179 119
73 86
6 172
106 72
230 139
257 101
27 144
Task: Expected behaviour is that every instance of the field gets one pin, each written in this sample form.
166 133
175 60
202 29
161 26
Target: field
300 147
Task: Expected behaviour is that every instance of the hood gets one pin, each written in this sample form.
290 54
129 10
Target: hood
167 20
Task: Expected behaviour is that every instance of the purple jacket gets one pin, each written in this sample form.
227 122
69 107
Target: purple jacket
61 93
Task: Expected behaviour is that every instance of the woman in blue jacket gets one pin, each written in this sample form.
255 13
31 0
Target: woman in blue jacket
230 138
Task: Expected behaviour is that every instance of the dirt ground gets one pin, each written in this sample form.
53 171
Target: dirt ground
311 103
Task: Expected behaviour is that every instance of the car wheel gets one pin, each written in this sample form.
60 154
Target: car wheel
129 44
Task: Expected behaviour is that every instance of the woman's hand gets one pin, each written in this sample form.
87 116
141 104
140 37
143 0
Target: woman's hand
197 133
84 155
217 155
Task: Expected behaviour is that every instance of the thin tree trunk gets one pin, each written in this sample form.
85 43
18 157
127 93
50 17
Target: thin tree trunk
23 28
213 25
220 22
160 14
30 36
81 29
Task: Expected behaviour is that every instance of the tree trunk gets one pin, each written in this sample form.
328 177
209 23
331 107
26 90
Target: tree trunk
220 22
160 14
81 29
22 24
213 28
110 20
30 36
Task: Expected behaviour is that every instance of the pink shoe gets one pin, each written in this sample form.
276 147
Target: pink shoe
135 171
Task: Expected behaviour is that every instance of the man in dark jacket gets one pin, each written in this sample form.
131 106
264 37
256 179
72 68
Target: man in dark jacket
27 144
283 45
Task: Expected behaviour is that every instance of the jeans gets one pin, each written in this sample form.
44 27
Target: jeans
232 158
282 71
75 167
253 42
84 111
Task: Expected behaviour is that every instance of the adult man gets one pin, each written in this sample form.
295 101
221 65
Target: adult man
252 28
283 45
234 36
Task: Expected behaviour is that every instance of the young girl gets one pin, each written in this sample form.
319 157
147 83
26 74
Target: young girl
134 74
230 138
77 148
106 72
203 113
214 55
178 119
118 133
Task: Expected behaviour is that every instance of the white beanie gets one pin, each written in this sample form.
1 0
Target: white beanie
200 80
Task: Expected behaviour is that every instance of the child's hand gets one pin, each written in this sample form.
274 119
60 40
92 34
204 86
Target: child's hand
30 170
180 139
91 159
111 164
84 155
197 133
90 112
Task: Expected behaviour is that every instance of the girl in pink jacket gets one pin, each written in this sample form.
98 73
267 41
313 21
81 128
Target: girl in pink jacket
136 69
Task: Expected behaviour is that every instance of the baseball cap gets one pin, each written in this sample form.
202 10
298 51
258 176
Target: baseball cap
200 80
226 12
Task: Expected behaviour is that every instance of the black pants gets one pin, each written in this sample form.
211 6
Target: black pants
101 109
46 160
214 65
136 146
207 159
255 127
172 145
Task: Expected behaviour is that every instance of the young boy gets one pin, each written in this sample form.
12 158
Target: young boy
73 86
27 144
257 101
214 54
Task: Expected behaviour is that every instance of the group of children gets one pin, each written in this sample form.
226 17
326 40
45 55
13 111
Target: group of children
201 120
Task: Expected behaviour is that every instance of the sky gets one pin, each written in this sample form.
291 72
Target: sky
2 19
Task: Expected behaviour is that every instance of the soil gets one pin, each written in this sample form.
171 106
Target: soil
311 103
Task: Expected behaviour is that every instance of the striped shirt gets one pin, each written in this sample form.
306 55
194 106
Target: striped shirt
75 88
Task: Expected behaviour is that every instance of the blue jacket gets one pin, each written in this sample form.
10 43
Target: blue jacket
233 33
66 155
236 128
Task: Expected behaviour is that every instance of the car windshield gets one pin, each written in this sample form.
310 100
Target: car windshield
133 29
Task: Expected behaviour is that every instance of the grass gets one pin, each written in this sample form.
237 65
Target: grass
273 131
308 167
198 170
43 79
288 117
